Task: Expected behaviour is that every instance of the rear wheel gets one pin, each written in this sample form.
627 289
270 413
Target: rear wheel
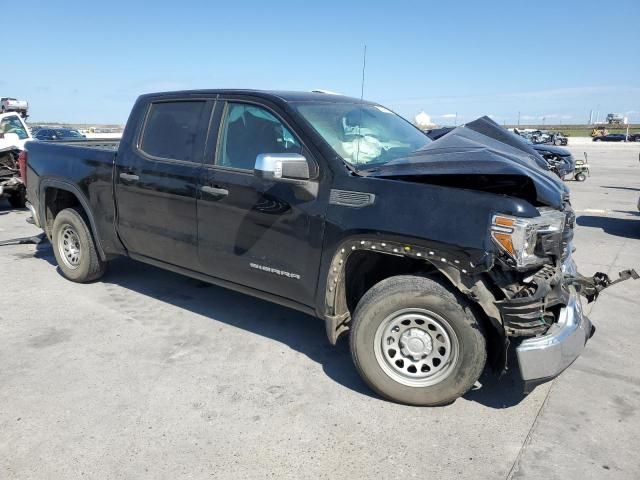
18 199
74 247
580 177
416 341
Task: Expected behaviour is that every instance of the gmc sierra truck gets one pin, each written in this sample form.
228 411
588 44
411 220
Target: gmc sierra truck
435 256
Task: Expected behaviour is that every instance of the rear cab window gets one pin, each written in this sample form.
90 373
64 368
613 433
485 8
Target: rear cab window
171 130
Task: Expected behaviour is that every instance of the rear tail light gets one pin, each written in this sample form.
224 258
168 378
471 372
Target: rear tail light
22 165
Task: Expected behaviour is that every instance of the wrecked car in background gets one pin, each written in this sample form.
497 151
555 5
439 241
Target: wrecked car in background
9 104
11 185
433 256
13 135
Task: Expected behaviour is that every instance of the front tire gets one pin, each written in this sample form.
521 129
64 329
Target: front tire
415 340
74 247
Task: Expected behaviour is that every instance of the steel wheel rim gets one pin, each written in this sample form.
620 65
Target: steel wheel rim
416 347
69 247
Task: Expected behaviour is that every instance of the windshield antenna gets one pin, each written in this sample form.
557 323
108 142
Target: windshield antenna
364 67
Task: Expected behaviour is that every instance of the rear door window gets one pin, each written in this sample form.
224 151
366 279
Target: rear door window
171 130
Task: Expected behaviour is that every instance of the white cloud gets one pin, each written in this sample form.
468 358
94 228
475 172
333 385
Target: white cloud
423 120
449 115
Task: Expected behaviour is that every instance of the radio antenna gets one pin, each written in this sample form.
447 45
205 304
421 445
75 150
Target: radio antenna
364 66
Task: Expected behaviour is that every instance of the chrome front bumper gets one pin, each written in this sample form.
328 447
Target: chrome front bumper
545 357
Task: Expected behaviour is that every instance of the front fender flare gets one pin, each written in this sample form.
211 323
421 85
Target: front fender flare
460 268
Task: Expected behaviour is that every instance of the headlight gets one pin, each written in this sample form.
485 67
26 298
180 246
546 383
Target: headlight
518 237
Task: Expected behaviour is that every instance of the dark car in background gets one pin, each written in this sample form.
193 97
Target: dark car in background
634 137
57 134
612 137
560 160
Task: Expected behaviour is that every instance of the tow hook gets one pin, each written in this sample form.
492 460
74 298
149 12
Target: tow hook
590 287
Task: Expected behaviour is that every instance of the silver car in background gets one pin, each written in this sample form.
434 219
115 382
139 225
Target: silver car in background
9 104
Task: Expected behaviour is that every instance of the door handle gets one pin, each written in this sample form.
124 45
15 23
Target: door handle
215 191
129 177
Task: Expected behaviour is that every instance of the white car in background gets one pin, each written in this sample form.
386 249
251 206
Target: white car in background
9 104
14 132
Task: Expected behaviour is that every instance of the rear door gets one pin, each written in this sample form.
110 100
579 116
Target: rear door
156 180
256 232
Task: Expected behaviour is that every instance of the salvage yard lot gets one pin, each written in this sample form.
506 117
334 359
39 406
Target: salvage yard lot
148 374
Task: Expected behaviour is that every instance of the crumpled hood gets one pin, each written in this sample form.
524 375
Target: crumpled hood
543 147
480 148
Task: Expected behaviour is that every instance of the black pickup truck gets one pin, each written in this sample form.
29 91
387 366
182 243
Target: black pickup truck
435 256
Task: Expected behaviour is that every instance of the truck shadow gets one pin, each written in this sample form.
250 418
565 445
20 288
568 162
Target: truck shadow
620 227
298 331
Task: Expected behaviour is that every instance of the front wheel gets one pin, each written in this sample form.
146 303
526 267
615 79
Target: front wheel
74 247
416 341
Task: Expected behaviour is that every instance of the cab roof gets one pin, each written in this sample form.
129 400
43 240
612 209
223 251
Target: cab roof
274 95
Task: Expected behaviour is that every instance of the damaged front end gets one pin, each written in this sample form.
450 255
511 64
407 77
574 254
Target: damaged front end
530 285
541 290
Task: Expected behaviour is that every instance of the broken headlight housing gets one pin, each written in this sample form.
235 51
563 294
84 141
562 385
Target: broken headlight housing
520 238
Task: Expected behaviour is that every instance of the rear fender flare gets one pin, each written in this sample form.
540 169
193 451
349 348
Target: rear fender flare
84 202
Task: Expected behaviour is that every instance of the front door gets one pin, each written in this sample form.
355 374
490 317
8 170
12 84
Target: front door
156 182
260 233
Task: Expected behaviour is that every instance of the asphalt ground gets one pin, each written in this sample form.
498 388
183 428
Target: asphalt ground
149 374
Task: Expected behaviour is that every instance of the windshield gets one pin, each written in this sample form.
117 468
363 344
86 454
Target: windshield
13 125
363 135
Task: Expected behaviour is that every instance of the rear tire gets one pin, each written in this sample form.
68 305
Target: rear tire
18 199
580 177
74 247
416 341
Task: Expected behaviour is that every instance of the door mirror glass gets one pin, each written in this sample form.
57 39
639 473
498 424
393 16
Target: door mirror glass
291 167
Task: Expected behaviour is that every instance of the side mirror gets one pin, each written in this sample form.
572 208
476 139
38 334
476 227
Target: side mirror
290 167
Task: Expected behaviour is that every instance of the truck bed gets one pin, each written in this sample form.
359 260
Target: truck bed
106 143
84 167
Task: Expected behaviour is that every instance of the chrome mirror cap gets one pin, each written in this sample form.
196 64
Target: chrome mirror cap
282 166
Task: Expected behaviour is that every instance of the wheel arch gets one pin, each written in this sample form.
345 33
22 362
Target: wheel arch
364 260
49 187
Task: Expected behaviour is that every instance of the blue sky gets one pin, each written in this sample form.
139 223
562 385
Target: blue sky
87 61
